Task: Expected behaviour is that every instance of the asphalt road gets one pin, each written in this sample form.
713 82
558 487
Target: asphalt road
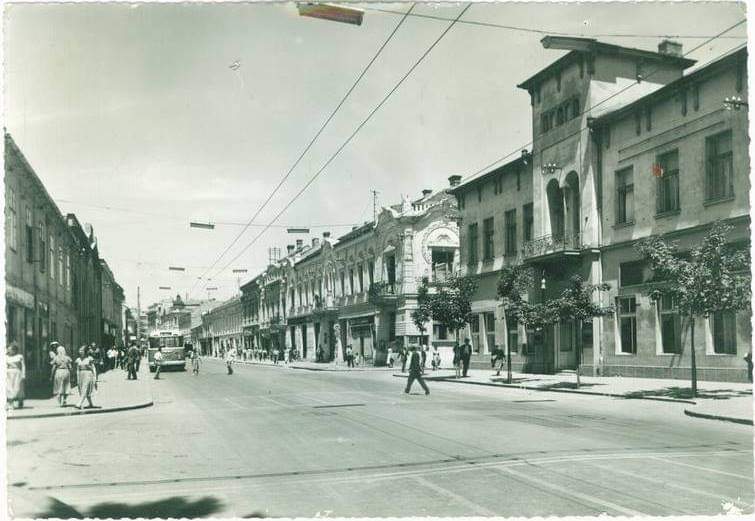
284 442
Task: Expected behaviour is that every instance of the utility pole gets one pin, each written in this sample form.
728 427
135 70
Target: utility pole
138 315
374 204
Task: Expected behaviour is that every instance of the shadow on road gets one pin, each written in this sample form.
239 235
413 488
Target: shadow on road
686 392
172 507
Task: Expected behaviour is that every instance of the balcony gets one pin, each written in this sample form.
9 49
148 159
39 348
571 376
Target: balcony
547 246
382 292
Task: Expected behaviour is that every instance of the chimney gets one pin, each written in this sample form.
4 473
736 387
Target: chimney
315 242
290 249
426 192
299 243
670 48
454 180
326 235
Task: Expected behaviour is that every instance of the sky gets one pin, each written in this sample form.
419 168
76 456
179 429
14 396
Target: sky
134 119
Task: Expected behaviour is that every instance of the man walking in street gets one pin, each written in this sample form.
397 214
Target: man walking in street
230 357
466 351
131 361
415 371
158 362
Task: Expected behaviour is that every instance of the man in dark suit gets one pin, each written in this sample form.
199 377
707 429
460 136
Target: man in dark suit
131 361
415 371
466 355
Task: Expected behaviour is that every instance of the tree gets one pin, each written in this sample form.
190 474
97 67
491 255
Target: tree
714 277
513 283
576 303
448 303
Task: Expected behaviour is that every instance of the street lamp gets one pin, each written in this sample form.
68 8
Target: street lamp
334 13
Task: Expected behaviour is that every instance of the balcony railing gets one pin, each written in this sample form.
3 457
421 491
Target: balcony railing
547 244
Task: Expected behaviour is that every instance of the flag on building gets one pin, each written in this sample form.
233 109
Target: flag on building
657 170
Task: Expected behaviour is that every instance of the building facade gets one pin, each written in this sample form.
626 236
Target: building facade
624 146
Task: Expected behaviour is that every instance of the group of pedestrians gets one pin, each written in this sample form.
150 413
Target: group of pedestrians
462 357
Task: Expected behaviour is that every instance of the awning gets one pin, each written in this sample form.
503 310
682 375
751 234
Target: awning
19 296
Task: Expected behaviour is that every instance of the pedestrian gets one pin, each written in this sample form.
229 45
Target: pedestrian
457 360
112 354
436 358
415 371
423 357
466 356
230 357
87 370
132 361
275 356
158 362
195 362
497 359
15 375
748 361
61 378
389 357
349 356
404 355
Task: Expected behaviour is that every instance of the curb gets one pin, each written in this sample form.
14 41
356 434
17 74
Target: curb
730 419
84 411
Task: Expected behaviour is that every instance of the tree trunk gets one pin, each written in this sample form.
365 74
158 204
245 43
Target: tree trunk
693 360
578 351
508 349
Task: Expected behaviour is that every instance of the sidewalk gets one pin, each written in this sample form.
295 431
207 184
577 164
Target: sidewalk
725 401
114 393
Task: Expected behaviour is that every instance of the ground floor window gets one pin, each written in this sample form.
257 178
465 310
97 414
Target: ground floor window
724 326
490 330
440 332
566 336
474 328
671 325
512 334
627 311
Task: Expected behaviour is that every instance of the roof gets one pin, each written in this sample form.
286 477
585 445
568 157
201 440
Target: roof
356 232
579 46
671 88
487 175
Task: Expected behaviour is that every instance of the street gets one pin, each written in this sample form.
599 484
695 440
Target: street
272 441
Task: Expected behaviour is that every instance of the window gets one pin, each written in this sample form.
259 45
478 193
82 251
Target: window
648 118
370 272
13 220
42 247
575 113
625 196
460 198
52 257
671 325
696 96
68 271
510 237
627 310
360 275
637 122
667 196
546 121
29 230
60 266
529 222
512 334
472 243
440 332
560 117
518 179
719 172
488 232
683 101
479 193
351 281
343 284
489 319
632 273
724 333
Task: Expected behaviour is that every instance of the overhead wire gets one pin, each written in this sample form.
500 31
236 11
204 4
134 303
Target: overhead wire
544 31
601 102
315 137
353 134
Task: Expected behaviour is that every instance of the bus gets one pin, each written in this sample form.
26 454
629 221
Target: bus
173 349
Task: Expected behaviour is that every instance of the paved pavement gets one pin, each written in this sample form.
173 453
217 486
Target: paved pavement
715 400
114 394
273 442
